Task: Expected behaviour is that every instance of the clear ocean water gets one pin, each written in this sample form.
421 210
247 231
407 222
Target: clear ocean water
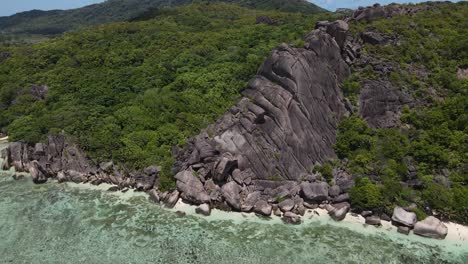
69 223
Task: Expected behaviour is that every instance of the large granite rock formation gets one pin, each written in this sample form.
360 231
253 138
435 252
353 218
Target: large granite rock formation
286 121
261 150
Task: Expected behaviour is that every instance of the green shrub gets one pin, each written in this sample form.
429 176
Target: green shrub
326 170
365 195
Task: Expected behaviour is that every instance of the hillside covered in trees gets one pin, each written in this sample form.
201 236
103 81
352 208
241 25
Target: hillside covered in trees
130 91
58 21
422 158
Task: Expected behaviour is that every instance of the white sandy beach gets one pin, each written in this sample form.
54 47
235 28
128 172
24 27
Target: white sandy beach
456 233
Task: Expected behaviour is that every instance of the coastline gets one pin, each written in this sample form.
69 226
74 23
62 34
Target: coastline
457 234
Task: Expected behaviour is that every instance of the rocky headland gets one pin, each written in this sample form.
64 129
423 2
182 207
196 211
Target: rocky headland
259 157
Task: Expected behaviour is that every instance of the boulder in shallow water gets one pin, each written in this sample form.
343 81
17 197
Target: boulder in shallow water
36 172
403 230
203 209
402 217
180 213
171 199
431 227
61 177
154 195
113 189
291 218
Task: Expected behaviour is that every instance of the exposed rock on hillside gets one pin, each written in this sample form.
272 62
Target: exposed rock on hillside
286 121
261 149
377 11
380 104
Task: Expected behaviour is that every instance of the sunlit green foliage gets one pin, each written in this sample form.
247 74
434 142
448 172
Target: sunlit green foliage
432 46
58 21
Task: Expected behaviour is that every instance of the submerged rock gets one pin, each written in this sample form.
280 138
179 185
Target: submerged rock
373 220
403 230
291 218
203 209
180 214
431 227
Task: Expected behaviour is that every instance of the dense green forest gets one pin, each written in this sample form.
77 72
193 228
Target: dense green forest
130 91
59 21
432 142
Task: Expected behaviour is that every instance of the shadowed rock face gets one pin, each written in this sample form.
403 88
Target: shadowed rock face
380 104
285 123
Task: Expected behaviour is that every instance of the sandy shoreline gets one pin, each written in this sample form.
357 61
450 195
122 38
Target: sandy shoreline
456 233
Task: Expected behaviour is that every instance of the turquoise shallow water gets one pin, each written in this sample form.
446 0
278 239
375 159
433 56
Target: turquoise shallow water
58 223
